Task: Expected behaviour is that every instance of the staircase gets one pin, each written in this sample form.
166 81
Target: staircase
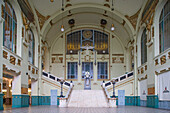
87 98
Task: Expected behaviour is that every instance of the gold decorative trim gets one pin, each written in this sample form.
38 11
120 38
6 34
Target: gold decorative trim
163 59
133 18
156 62
117 54
68 5
107 5
142 71
143 78
150 11
41 19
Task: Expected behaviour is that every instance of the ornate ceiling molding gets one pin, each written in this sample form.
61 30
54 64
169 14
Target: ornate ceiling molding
41 19
133 18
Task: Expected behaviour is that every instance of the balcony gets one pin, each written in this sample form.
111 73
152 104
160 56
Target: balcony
11 61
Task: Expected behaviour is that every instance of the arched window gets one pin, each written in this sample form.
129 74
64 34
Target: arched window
164 28
143 47
10 28
31 47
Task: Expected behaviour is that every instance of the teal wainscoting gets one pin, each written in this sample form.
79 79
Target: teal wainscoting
132 100
20 101
152 101
34 100
1 101
44 100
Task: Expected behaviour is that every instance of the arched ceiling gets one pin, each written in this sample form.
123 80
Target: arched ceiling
125 7
88 16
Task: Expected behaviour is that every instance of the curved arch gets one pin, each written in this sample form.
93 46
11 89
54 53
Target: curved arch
36 43
19 26
88 6
139 44
87 26
158 11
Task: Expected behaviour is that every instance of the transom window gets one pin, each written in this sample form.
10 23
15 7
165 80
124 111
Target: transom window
72 70
102 70
164 28
143 47
10 28
78 39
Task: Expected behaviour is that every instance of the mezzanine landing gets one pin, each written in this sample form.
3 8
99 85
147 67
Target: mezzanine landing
54 109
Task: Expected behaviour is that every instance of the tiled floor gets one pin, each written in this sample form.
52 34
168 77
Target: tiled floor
54 109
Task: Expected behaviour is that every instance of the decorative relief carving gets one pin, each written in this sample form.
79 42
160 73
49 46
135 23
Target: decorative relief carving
142 71
149 10
138 71
57 58
143 78
145 67
117 60
25 22
156 62
163 59
133 18
5 54
152 31
12 60
41 18
156 73
169 55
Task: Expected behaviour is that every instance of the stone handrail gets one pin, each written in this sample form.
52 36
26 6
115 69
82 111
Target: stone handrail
111 101
120 78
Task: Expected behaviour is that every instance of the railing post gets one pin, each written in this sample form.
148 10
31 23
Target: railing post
113 82
61 82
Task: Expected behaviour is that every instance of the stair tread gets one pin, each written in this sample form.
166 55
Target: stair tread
87 98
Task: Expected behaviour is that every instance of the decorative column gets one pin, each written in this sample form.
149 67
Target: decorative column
16 92
34 92
137 98
1 55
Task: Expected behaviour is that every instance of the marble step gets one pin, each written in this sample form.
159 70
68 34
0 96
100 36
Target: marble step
87 98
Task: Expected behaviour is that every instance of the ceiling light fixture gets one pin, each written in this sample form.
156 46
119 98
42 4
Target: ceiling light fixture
112 27
62 9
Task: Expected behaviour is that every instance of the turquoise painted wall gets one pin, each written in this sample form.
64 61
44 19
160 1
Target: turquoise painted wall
40 100
34 100
20 101
1 101
152 101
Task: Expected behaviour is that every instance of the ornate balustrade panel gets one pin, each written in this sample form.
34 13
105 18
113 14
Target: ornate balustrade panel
11 61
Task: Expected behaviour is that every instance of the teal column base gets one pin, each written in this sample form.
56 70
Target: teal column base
34 100
152 101
1 101
137 100
20 101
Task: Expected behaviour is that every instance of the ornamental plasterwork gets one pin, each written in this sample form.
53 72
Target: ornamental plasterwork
133 18
41 19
